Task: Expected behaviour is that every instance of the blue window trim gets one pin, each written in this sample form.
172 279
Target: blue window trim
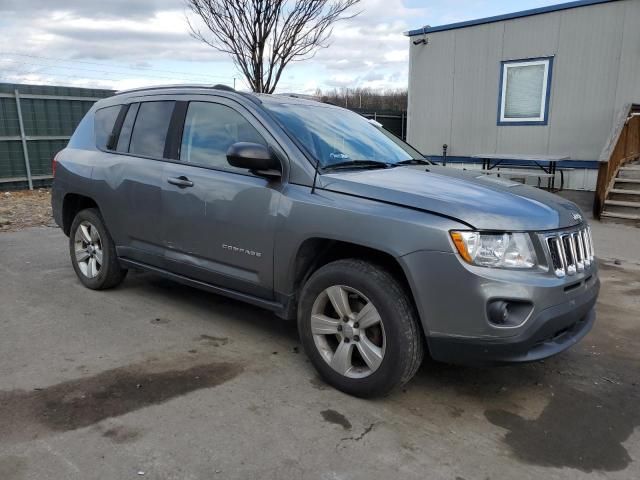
545 120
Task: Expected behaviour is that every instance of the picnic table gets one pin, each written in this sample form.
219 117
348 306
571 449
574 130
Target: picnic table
546 163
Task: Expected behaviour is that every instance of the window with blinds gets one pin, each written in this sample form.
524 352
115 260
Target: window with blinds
524 91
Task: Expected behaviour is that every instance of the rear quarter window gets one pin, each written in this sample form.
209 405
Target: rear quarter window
82 137
124 138
104 122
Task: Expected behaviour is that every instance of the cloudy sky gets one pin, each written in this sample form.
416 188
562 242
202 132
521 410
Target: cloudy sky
127 43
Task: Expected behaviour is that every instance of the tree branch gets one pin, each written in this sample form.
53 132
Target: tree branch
264 36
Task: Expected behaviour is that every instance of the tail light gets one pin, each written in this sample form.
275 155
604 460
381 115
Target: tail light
54 162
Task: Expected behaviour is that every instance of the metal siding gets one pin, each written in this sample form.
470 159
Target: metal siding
524 38
476 97
431 93
585 79
628 87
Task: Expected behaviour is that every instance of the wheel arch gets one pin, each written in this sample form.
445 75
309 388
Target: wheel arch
315 252
73 203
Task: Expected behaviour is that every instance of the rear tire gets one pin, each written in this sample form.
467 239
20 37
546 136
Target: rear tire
371 343
93 252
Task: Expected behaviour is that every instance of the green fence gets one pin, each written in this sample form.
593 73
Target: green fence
36 121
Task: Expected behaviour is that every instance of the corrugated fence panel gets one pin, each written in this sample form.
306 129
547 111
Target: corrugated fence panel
54 90
41 153
52 117
8 118
42 117
11 159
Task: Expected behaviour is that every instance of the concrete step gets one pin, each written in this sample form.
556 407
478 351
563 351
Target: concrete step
626 184
629 172
624 207
623 218
621 203
624 195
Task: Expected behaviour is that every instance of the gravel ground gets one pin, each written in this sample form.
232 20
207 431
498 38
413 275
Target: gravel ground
25 208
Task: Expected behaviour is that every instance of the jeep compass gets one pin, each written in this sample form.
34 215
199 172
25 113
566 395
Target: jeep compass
317 214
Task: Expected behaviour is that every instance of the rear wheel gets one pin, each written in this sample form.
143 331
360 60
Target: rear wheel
359 328
93 253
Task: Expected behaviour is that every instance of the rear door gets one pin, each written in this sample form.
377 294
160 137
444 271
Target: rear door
219 220
132 179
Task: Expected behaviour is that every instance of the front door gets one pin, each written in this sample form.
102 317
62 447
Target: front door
219 220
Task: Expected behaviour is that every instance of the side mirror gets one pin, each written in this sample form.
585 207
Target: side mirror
254 157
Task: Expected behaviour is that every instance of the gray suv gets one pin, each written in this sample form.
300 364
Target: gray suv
317 214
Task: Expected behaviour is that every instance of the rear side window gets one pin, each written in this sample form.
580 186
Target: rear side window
104 121
150 129
209 130
127 127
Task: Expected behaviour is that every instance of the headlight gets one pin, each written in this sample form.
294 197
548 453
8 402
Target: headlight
498 250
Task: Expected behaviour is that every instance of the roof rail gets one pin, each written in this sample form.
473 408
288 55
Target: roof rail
226 88
162 87
251 96
301 96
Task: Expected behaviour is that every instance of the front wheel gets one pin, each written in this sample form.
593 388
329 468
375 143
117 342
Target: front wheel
93 253
359 328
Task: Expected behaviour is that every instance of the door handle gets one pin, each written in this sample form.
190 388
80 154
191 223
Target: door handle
181 181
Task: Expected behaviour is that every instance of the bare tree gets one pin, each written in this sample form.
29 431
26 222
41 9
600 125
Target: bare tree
263 36
366 98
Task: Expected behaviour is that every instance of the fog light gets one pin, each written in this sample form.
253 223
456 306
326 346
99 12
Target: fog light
508 313
498 312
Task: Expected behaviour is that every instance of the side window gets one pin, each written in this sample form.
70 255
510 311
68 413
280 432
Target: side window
209 130
150 129
104 121
127 127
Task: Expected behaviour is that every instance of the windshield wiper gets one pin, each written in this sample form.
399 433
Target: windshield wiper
357 164
413 161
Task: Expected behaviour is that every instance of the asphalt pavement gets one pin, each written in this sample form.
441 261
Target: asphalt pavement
160 381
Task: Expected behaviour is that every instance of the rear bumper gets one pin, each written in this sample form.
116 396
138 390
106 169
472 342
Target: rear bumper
56 204
552 331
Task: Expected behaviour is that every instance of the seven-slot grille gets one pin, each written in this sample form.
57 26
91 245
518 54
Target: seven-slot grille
571 251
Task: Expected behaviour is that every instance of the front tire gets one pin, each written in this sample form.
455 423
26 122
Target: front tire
93 252
359 328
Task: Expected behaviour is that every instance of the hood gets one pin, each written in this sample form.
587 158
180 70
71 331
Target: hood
483 201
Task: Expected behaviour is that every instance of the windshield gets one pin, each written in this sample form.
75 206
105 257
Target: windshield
338 136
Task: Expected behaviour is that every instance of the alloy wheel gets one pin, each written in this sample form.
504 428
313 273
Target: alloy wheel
348 331
88 249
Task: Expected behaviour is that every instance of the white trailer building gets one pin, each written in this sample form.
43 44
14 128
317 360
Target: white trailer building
551 81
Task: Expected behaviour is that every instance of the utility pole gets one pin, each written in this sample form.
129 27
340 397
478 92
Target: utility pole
234 83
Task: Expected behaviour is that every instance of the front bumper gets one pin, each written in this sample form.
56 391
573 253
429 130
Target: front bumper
554 330
452 300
